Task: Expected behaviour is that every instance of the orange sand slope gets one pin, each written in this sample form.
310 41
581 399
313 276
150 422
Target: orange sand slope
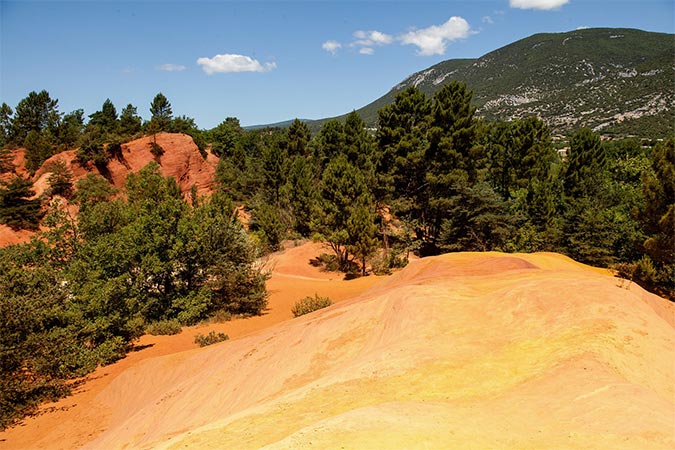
457 351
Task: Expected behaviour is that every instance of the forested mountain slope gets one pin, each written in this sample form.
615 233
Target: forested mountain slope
613 80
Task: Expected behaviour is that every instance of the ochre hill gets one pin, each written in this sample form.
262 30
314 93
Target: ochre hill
465 350
181 160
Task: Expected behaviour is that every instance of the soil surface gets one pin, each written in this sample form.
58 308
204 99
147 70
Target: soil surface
465 350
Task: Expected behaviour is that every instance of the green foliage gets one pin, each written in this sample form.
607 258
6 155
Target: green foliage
343 193
211 338
130 122
6 114
160 108
164 327
225 137
106 118
298 135
586 161
37 112
38 149
156 150
92 189
17 209
6 160
266 218
60 179
310 304
529 70
70 129
93 148
658 216
82 292
300 190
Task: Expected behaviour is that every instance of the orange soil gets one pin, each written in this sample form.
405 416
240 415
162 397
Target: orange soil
75 420
463 350
181 160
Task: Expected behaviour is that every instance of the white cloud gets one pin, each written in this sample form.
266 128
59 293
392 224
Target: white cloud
371 38
171 68
537 4
488 20
367 51
583 27
433 40
229 63
331 46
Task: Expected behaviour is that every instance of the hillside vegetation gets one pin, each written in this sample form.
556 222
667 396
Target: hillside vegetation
616 81
114 257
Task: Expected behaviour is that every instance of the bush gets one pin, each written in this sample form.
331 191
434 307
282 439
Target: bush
309 304
164 327
156 149
211 338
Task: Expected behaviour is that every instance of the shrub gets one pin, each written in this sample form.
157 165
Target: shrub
156 149
211 338
163 327
309 304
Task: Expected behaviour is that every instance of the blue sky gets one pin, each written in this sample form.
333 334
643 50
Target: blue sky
267 61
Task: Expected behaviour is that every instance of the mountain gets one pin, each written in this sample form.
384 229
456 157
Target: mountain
615 81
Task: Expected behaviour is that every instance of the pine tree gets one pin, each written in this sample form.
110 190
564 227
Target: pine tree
5 123
17 209
658 217
130 122
585 163
298 136
342 191
37 112
106 118
160 108
301 192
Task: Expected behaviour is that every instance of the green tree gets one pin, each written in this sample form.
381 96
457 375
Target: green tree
37 112
106 118
91 190
225 137
38 149
402 144
70 129
17 207
60 179
298 135
160 108
362 232
328 143
274 162
5 123
301 193
266 218
586 162
453 158
342 190
6 160
658 215
130 122
478 220
359 146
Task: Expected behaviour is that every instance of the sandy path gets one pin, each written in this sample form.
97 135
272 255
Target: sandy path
73 421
